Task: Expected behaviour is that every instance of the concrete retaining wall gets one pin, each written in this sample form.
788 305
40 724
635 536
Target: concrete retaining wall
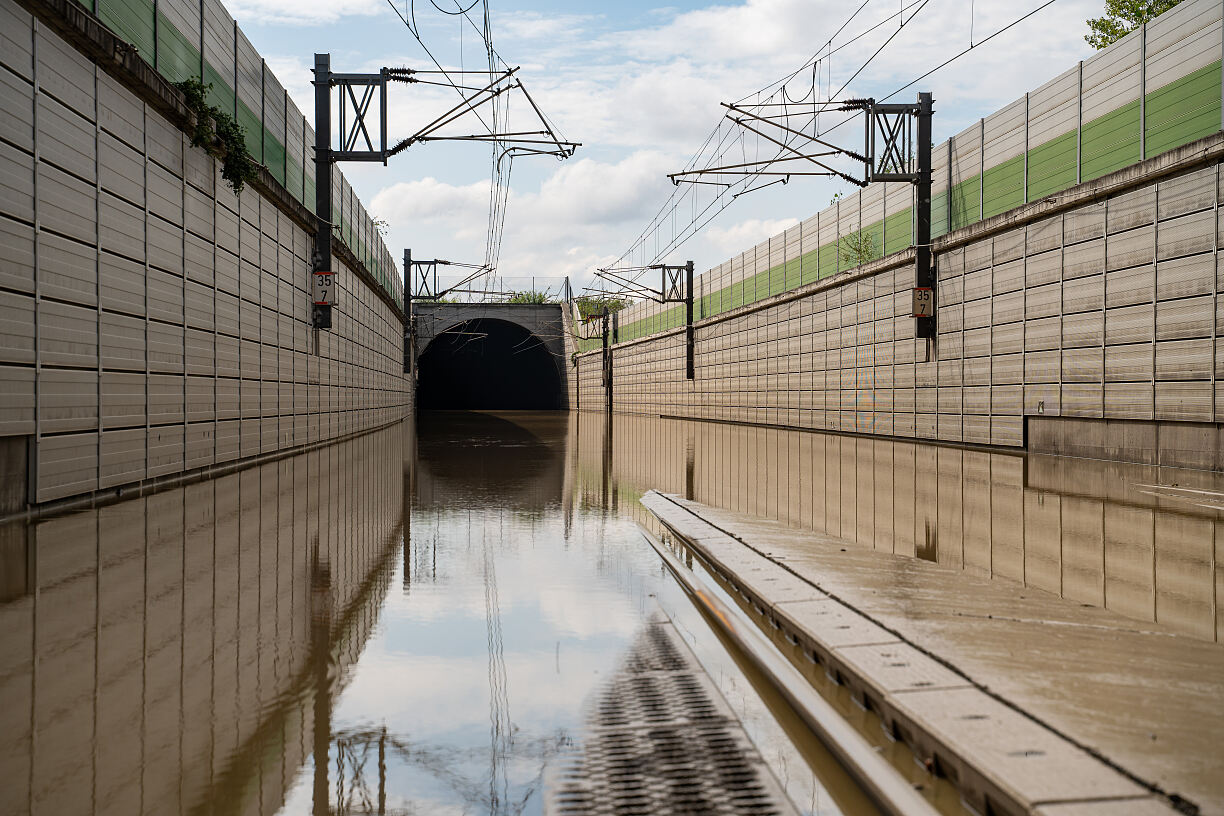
1097 303
1155 89
154 322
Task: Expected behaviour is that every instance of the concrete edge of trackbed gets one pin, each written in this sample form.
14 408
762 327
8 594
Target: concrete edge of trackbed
955 726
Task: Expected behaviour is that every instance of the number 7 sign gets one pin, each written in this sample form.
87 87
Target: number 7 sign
323 291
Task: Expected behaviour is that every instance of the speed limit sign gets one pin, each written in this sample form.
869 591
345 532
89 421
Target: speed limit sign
924 301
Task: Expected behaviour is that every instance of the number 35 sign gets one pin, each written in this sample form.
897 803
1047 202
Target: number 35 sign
924 301
323 294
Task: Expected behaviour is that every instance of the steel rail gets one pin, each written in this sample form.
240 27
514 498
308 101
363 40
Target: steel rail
878 779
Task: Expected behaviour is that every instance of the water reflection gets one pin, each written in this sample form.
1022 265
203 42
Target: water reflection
1139 540
512 604
412 620
160 654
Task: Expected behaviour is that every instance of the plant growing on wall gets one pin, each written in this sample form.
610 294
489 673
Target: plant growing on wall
1122 17
857 248
217 132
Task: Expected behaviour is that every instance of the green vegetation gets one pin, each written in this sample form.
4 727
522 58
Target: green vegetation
858 248
1122 17
589 305
217 132
531 296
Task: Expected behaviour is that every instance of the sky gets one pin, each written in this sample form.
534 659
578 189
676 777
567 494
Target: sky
640 86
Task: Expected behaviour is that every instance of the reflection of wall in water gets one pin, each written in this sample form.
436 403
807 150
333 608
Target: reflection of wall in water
1083 529
513 460
176 629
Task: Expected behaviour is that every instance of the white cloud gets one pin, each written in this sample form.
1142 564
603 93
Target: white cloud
776 30
549 29
294 75
301 12
643 99
572 223
431 200
593 193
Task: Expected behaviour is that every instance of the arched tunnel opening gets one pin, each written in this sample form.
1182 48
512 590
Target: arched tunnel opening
488 364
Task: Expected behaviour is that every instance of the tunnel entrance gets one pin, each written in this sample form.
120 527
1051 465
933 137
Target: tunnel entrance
488 364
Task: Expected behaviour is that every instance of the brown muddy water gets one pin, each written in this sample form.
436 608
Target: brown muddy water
415 621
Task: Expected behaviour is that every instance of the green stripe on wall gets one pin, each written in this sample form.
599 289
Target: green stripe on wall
294 180
274 155
1184 110
177 58
810 262
827 259
899 230
1052 166
1110 142
939 213
966 202
249 120
875 232
1003 187
220 94
132 20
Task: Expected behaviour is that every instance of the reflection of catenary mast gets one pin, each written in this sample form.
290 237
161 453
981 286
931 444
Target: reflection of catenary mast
354 748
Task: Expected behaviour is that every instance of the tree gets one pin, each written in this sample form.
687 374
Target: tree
857 248
589 305
1122 17
533 296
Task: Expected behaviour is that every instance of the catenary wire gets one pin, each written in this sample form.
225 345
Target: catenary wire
700 219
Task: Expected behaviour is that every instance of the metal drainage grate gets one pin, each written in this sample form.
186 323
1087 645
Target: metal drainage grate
661 739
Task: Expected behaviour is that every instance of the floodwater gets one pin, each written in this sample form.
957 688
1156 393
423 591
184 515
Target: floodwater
415 621
1144 542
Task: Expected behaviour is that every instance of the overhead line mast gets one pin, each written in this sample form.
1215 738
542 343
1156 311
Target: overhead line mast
357 94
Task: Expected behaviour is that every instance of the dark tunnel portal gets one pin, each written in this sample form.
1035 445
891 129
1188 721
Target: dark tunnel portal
488 364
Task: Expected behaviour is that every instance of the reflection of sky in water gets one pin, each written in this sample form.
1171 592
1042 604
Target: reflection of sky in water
573 585
567 609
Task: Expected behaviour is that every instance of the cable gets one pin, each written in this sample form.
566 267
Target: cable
500 171
729 192
454 13
970 48
732 190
